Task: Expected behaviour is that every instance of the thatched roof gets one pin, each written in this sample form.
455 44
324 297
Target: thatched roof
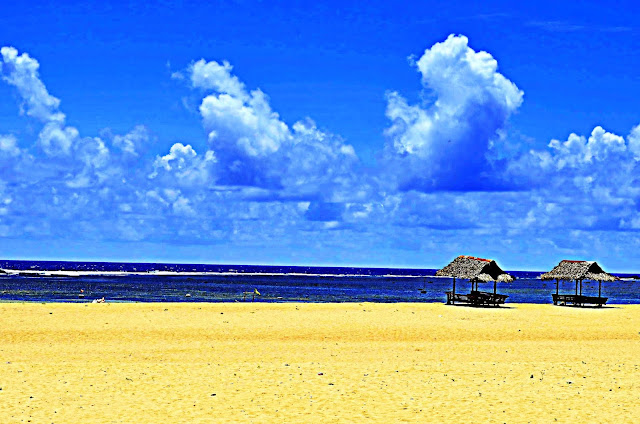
577 270
477 269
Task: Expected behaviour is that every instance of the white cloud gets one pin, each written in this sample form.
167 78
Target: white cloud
9 146
105 187
56 139
182 206
248 128
319 163
577 150
179 155
93 152
569 153
582 154
450 138
261 182
213 76
596 178
134 141
182 165
603 144
21 71
459 76
255 147
634 142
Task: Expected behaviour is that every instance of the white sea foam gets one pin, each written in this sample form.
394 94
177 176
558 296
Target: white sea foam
67 273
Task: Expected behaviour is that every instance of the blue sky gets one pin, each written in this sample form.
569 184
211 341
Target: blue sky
328 134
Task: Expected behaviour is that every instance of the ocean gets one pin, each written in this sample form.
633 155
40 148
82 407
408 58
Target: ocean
52 281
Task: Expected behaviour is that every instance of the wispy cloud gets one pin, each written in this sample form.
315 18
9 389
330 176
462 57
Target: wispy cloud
485 16
567 26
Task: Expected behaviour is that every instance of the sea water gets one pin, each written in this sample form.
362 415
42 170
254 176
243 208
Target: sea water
140 282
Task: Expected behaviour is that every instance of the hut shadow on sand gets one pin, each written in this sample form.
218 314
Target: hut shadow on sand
475 270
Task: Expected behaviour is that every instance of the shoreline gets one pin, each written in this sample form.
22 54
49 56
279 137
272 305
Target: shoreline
87 300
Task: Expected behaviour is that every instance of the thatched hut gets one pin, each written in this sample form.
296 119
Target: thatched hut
578 271
475 270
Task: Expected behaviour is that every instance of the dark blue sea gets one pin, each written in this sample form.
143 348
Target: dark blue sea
238 283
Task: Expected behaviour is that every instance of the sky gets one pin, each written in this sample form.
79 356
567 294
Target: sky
341 133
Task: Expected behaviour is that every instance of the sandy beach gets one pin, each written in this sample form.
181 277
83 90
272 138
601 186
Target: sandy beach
265 363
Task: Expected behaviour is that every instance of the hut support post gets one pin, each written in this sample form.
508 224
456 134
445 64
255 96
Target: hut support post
580 287
576 287
453 294
599 288
494 287
557 287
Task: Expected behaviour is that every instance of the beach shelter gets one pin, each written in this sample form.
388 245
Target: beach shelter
578 271
475 270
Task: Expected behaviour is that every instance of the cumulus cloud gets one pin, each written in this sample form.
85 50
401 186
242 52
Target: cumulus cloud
134 142
56 139
578 155
242 129
214 76
592 181
634 142
21 71
249 129
578 150
9 146
255 147
248 180
445 144
183 166
320 165
93 152
256 180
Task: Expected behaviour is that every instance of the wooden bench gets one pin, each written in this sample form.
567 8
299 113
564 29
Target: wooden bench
477 298
487 298
458 297
578 300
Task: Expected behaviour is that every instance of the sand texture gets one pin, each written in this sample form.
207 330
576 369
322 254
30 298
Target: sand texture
295 363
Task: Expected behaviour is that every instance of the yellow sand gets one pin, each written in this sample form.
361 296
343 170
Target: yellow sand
277 363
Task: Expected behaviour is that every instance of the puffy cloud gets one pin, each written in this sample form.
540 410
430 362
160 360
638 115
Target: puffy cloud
603 144
300 190
182 206
9 146
249 129
320 165
254 147
577 151
444 145
183 166
217 77
634 142
242 129
93 152
56 139
249 181
134 142
178 156
21 71
593 182
238 122
579 156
